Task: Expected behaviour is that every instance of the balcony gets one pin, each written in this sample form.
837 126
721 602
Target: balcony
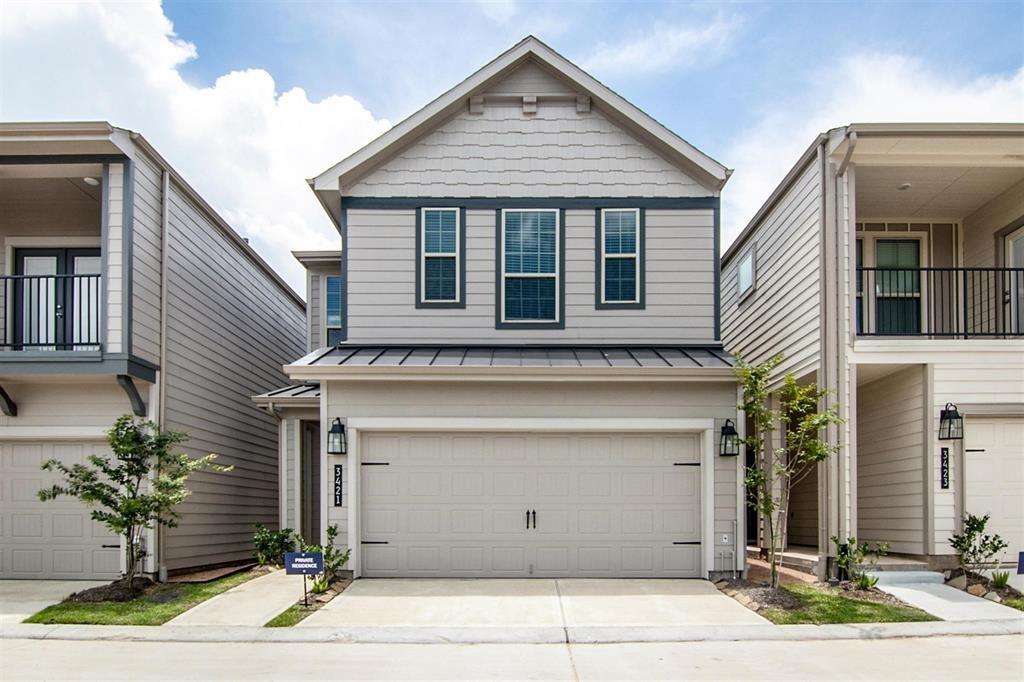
941 303
47 313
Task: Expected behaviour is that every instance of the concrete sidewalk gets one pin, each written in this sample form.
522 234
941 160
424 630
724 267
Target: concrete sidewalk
927 591
252 603
512 635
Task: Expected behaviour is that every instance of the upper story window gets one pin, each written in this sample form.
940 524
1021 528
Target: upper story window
621 259
745 275
332 313
530 257
440 257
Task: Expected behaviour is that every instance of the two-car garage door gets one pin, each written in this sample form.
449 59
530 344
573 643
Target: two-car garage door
550 504
55 539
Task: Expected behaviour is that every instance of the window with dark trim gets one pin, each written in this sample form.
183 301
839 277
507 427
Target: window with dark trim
620 261
530 257
745 275
332 313
439 246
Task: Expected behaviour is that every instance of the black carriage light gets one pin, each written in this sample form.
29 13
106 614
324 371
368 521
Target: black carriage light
729 444
337 443
951 423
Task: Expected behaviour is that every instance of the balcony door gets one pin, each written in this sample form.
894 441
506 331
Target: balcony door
1015 259
897 287
57 294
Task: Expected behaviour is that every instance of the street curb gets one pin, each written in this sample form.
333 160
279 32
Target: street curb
512 635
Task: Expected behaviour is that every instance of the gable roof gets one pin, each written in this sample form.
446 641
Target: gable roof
330 184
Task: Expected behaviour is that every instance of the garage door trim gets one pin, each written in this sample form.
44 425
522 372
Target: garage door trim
357 426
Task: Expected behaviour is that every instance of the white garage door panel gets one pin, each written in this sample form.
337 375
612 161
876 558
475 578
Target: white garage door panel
55 539
606 505
994 478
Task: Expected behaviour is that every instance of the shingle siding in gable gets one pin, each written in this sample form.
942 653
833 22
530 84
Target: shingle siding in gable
504 153
679 283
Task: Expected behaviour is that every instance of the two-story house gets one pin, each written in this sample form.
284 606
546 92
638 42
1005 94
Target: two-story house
888 266
515 365
124 292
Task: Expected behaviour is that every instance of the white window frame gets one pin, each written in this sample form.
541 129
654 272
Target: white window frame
525 275
750 255
635 255
870 256
424 255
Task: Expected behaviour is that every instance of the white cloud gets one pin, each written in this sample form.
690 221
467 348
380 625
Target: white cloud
664 47
245 147
858 89
498 10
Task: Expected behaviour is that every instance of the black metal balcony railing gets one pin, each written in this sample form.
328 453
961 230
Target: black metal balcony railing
955 303
50 312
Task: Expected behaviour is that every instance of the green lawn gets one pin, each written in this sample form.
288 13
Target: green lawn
155 608
295 613
821 607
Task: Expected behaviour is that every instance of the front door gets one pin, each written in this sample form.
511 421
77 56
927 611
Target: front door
58 299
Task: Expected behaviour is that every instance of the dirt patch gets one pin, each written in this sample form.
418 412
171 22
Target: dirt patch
757 595
119 590
210 574
759 572
851 590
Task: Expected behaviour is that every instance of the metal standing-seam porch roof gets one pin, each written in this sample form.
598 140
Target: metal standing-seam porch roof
429 360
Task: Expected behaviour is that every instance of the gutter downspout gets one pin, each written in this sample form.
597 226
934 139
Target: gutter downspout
161 416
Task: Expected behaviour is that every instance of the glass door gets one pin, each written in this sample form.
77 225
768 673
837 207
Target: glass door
898 287
58 299
1015 259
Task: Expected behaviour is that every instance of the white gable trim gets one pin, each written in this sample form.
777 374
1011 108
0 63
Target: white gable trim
707 171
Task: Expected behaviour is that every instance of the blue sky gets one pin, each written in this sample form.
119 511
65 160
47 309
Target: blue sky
246 99
396 56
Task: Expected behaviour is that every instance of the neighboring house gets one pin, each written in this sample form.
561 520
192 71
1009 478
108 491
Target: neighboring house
528 365
124 292
888 266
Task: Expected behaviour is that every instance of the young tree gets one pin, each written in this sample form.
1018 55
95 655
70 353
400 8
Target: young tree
137 488
777 470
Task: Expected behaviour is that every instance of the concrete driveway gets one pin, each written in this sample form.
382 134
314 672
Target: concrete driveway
532 603
19 599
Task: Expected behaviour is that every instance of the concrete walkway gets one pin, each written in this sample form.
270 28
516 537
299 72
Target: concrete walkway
531 603
19 599
927 591
252 603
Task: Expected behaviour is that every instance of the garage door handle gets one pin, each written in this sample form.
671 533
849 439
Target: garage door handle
535 519
527 519
110 546
975 450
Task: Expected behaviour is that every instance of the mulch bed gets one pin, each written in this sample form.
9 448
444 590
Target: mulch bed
758 596
977 579
119 590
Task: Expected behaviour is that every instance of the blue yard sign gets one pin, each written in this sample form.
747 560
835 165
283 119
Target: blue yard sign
303 563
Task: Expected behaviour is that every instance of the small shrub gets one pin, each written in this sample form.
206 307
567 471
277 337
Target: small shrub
1000 579
852 557
975 549
334 559
272 545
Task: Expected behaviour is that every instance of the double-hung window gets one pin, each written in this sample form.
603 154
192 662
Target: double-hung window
621 264
332 317
530 266
440 245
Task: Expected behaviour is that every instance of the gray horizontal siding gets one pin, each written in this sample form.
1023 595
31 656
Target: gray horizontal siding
146 254
679 275
229 331
783 314
890 461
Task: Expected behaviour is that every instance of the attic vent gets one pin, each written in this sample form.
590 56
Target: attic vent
476 104
529 104
582 104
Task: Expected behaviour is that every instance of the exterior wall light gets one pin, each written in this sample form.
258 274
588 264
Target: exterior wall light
729 444
951 423
337 442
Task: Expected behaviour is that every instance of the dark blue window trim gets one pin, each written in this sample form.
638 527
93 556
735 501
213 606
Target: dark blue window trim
333 332
343 229
526 202
498 269
641 275
461 302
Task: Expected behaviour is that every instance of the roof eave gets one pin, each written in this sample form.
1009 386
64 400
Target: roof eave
305 372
